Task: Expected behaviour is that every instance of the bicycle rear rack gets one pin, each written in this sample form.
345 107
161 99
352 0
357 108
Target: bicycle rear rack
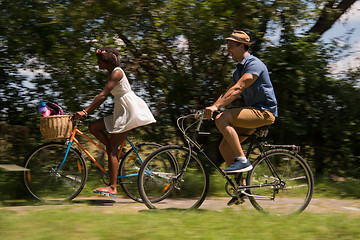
273 146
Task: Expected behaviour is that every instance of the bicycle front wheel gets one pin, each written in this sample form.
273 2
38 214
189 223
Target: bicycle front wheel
184 189
130 166
282 183
47 179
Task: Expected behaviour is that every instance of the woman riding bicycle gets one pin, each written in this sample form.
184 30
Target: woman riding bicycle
129 112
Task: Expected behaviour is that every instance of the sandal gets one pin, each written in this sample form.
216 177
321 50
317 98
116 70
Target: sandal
105 193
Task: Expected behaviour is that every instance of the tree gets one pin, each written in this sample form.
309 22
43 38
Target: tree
174 54
330 13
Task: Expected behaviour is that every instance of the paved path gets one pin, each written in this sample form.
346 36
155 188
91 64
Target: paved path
123 205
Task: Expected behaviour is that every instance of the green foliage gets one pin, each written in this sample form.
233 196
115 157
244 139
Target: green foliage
174 55
346 189
315 108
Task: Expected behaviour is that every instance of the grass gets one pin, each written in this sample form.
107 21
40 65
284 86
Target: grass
349 189
88 222
81 221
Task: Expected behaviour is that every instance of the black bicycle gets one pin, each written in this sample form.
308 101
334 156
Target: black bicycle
280 182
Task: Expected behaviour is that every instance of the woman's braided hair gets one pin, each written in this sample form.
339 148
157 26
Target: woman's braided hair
109 55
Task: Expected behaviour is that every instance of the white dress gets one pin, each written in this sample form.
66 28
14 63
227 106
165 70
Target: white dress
130 111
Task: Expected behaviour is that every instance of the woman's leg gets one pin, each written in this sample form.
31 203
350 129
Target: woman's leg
98 129
115 140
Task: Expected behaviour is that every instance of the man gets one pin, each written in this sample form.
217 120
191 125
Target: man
251 78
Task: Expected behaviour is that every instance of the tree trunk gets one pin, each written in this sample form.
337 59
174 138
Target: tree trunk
331 12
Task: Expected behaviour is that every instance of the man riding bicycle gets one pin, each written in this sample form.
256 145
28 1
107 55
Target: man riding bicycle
251 79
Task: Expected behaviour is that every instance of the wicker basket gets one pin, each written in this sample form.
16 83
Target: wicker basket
56 127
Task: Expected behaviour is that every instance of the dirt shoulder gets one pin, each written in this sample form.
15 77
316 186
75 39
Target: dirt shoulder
122 205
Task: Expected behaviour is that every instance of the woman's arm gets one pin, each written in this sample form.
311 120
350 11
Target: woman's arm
114 78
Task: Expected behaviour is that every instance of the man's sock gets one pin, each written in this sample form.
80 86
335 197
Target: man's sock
242 159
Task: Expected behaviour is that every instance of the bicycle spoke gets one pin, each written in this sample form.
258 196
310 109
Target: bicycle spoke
185 190
44 184
291 193
130 166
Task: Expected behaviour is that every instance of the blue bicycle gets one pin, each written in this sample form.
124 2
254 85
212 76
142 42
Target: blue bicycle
57 171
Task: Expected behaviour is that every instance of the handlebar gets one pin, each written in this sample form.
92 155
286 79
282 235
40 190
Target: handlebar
75 120
198 115
197 120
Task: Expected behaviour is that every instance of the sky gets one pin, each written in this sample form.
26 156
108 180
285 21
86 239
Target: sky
349 20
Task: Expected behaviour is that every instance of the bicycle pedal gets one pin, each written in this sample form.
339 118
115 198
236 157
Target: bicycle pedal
240 201
236 201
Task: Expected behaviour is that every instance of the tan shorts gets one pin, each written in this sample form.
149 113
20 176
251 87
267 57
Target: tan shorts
246 119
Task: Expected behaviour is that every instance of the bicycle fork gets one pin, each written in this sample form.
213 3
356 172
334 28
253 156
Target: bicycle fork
69 143
63 161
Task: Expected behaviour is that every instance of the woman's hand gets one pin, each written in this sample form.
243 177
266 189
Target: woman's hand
81 114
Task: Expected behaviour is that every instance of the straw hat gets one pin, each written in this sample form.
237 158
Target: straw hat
240 36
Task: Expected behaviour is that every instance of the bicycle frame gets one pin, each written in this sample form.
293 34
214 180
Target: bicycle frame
254 143
224 175
73 139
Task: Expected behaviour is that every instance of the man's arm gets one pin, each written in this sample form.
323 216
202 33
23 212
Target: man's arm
234 90
228 88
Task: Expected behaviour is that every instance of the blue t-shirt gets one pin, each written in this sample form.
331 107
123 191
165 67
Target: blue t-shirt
261 93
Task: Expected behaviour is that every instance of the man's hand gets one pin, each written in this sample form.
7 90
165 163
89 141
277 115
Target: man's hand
209 111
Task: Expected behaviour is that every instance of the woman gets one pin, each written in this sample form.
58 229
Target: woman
130 112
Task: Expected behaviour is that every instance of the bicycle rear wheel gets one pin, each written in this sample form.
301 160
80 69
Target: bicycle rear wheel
286 189
46 181
130 166
184 189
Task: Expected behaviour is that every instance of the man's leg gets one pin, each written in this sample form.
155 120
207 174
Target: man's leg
226 152
225 148
224 124
243 118
229 157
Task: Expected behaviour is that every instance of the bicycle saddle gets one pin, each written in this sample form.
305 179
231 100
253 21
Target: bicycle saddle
262 131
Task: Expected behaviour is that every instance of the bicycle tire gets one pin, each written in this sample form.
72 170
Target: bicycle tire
292 195
130 166
43 183
183 191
